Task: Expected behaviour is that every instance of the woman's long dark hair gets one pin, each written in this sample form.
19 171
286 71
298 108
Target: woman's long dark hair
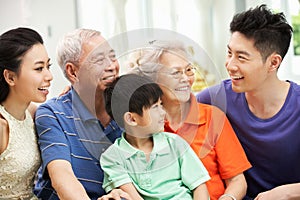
13 46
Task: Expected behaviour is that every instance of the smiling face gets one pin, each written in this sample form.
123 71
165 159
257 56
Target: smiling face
33 80
99 66
152 120
245 65
175 88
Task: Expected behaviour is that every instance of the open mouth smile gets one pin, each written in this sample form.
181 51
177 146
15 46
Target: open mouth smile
43 88
182 88
109 78
237 77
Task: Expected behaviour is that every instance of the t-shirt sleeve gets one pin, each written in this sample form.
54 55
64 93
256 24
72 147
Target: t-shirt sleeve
193 171
114 170
204 96
214 95
232 159
51 138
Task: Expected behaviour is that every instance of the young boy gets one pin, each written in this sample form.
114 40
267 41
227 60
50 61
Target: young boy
146 162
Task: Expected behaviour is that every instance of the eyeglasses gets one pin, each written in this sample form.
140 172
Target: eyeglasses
189 70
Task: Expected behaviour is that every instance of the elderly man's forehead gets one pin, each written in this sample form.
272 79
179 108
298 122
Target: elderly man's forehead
103 49
96 48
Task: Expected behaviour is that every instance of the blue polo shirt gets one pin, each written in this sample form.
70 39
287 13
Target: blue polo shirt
172 171
68 131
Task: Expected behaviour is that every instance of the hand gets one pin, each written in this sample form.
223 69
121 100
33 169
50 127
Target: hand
32 108
278 193
65 90
116 194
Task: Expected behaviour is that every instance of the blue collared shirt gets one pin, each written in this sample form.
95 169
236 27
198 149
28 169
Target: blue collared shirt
68 131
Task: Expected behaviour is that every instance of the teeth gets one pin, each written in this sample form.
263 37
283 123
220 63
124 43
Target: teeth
237 78
182 89
109 78
44 88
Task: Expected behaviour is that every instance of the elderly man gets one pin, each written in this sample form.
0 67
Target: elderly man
74 129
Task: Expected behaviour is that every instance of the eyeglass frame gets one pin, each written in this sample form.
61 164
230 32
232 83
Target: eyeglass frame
178 73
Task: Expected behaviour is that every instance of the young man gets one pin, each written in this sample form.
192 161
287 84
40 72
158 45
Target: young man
264 111
74 129
146 162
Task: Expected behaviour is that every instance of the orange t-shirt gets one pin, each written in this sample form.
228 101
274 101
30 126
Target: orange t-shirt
211 136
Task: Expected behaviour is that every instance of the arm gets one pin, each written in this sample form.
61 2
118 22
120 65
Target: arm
64 181
214 95
32 109
56 152
231 158
115 176
116 194
235 186
200 192
283 192
4 131
130 189
189 162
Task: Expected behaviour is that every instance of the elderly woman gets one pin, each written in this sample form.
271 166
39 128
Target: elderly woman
204 127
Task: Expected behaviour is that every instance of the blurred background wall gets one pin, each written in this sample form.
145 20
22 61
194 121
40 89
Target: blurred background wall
204 21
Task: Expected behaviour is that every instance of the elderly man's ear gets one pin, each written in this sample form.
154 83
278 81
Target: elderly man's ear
71 72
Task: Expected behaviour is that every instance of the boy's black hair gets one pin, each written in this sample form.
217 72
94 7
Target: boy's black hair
130 93
270 31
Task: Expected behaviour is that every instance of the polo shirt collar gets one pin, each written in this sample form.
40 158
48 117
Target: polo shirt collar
194 116
81 110
160 146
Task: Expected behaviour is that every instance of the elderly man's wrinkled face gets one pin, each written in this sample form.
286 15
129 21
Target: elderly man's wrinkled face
99 66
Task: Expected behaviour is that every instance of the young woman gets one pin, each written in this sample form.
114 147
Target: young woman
24 78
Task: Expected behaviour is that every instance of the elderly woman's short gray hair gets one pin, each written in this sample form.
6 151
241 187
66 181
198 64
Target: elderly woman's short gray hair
145 61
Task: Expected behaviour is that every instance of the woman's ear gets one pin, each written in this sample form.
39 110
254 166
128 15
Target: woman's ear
129 119
71 72
275 61
9 77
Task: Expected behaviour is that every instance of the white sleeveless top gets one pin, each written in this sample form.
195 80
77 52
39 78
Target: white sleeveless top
20 161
